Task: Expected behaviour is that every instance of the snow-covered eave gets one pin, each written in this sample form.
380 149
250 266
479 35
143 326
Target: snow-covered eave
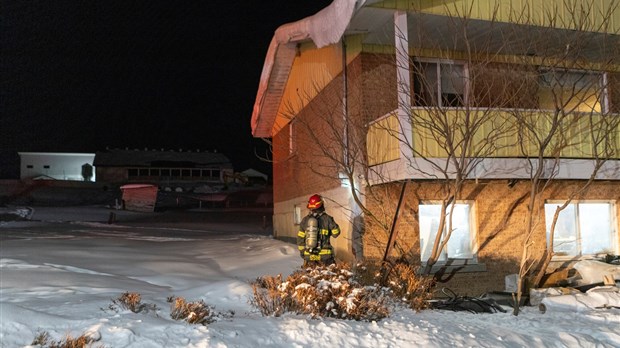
324 28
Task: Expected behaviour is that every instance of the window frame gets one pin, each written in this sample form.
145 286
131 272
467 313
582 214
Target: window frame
292 148
613 228
438 93
602 79
473 235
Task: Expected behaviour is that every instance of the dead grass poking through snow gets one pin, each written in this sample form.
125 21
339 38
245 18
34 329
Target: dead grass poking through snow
43 340
131 301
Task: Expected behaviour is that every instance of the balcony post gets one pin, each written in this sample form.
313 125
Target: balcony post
403 83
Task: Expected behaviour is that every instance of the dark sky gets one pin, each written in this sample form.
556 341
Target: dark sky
78 76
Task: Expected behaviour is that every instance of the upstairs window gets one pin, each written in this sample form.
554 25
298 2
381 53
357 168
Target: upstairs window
442 84
461 242
571 90
582 229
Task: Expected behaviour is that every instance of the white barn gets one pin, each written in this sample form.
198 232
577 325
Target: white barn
55 165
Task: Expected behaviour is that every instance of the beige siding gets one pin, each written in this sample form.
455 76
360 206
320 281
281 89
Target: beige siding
382 141
577 131
534 12
312 70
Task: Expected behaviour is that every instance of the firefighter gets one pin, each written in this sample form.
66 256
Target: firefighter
315 231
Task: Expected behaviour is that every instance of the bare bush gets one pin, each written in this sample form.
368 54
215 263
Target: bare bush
196 312
333 291
131 301
414 290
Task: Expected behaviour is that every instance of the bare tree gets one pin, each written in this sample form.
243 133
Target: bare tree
570 87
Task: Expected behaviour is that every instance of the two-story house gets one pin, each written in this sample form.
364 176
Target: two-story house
448 133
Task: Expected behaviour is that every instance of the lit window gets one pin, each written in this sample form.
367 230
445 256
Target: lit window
439 84
569 90
291 138
460 244
297 214
583 228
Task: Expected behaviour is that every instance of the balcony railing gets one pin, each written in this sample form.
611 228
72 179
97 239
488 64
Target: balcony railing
498 133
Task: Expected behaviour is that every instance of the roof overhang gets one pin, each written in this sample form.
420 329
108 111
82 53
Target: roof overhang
324 28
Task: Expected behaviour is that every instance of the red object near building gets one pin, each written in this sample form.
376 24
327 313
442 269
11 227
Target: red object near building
139 197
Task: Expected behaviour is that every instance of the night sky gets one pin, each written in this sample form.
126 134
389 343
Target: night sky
80 76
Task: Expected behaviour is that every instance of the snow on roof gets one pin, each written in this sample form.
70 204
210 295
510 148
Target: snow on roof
253 173
136 186
324 28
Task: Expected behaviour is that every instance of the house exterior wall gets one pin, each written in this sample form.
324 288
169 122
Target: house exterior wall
300 166
60 166
499 249
508 11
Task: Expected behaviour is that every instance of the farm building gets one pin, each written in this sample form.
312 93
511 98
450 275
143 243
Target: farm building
161 167
57 166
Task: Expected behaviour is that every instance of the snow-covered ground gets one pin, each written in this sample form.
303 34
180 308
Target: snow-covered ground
60 277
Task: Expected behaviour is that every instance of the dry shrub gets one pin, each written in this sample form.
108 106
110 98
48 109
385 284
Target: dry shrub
415 290
197 312
131 301
329 291
268 298
43 340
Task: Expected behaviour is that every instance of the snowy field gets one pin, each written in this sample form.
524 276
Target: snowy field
60 276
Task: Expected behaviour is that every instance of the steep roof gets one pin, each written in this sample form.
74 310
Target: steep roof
139 158
324 28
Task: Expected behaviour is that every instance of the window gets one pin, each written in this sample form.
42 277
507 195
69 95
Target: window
571 91
46 166
215 173
153 172
460 244
439 84
175 172
583 228
165 172
297 214
143 172
291 138
185 172
196 173
132 172
29 166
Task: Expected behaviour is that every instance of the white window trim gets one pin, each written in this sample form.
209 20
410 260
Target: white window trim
473 236
613 222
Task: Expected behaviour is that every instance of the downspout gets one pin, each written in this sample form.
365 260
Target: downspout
345 102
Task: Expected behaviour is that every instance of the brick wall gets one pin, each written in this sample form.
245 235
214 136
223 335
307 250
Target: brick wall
371 93
499 250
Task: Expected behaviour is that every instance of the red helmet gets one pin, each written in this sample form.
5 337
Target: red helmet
315 202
